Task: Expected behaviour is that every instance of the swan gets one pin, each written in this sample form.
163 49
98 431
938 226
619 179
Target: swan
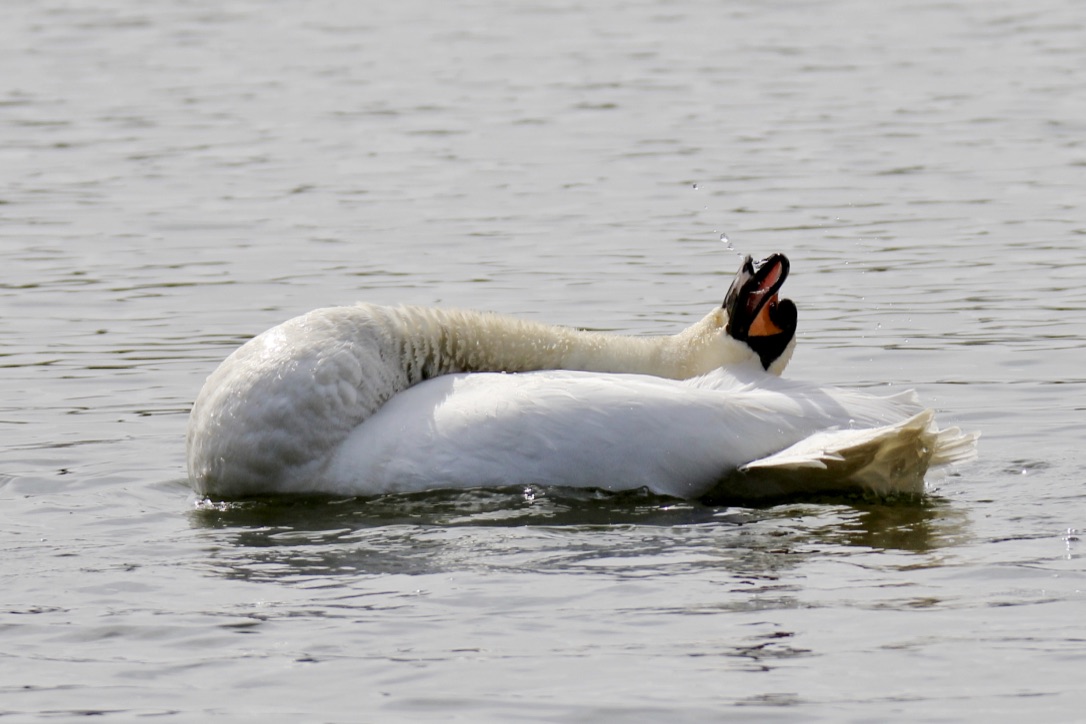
365 399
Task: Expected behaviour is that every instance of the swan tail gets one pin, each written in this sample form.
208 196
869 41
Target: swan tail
887 460
953 446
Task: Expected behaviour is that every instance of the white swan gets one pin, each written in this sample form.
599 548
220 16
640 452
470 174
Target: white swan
363 400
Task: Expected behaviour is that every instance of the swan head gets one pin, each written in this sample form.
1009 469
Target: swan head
757 316
753 326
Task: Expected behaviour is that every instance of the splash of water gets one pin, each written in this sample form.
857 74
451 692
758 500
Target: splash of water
728 244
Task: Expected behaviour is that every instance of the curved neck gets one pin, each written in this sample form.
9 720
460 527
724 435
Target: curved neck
449 341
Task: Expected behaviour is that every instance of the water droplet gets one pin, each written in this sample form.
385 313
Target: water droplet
695 187
727 242
878 325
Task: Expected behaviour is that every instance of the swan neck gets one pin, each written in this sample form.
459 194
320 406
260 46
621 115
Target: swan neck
473 342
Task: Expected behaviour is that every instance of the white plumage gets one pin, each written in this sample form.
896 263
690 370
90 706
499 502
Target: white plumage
738 433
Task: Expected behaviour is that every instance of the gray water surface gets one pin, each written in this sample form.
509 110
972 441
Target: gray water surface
176 177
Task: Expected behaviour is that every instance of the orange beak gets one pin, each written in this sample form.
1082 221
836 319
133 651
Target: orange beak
762 325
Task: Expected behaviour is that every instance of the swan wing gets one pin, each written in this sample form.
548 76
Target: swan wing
615 432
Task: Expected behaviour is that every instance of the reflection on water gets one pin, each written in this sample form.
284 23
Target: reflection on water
554 531
918 526
512 506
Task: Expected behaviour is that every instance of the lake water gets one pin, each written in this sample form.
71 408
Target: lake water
177 176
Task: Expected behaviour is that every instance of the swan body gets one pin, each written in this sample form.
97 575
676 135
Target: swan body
365 399
682 438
